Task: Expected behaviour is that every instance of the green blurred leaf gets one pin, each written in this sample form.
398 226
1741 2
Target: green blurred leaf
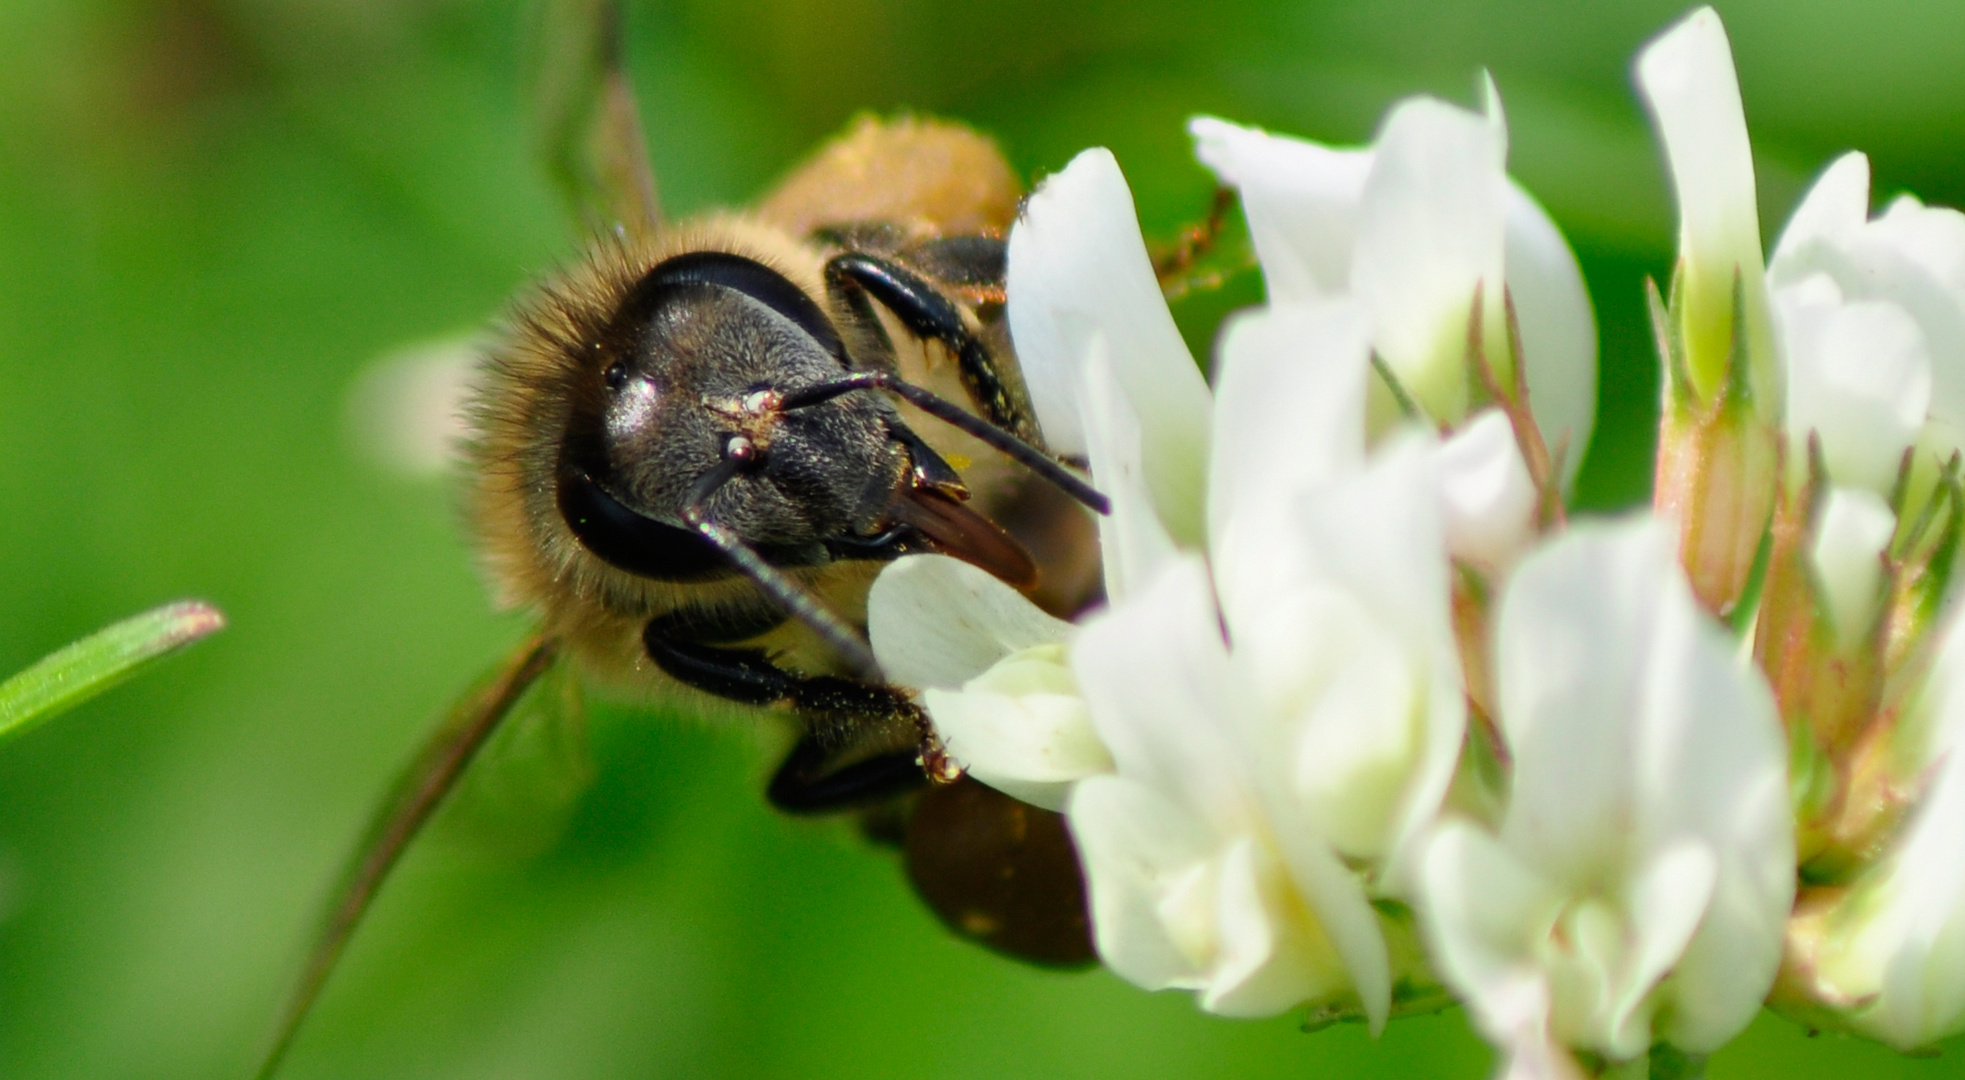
67 677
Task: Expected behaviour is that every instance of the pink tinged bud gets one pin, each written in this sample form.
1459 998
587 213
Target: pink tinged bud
1719 464
1719 437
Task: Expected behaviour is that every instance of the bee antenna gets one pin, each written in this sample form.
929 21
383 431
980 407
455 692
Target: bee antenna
955 416
795 598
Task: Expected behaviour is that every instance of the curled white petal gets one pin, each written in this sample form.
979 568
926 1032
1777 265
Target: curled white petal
1138 848
1303 199
1300 198
1431 227
1847 557
1486 496
1486 915
1021 727
1077 268
940 622
1912 257
993 675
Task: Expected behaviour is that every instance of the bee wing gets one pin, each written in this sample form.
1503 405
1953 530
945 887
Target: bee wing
589 125
999 872
415 795
518 796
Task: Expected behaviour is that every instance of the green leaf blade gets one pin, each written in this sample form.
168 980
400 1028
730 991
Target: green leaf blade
75 673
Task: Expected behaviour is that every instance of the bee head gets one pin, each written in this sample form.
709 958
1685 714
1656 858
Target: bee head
685 422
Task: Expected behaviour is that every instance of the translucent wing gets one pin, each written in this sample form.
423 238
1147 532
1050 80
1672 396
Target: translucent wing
518 796
589 124
417 792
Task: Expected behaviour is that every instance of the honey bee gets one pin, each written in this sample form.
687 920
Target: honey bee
695 449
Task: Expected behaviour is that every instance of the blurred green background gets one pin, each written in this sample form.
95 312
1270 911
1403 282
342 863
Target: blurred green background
214 213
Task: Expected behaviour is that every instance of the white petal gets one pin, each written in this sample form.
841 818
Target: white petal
1834 209
1021 727
1431 228
1688 82
1711 763
1571 644
1859 379
1289 409
1133 541
1487 499
1558 330
1633 727
1337 898
1154 670
1932 236
1078 267
1301 201
1365 549
1486 913
1356 739
1272 957
1135 846
936 621
1874 264
1847 557
1665 905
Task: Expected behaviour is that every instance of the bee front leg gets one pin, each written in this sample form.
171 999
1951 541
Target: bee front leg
855 277
862 742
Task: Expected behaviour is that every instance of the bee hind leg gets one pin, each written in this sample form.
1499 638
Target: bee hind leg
862 741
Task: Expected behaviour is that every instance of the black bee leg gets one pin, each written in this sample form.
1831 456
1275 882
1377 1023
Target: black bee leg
863 744
863 741
856 276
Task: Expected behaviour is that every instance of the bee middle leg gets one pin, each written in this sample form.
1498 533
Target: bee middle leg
861 742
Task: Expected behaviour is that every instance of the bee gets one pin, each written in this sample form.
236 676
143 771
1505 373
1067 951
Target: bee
696 448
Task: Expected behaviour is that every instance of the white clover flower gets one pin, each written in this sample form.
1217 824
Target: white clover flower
1294 700
1410 226
1881 332
1327 731
1872 321
1893 948
1638 884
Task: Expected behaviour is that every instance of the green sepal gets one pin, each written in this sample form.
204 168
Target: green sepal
1679 392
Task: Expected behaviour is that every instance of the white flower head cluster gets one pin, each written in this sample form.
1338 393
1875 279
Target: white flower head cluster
1363 718
1254 742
